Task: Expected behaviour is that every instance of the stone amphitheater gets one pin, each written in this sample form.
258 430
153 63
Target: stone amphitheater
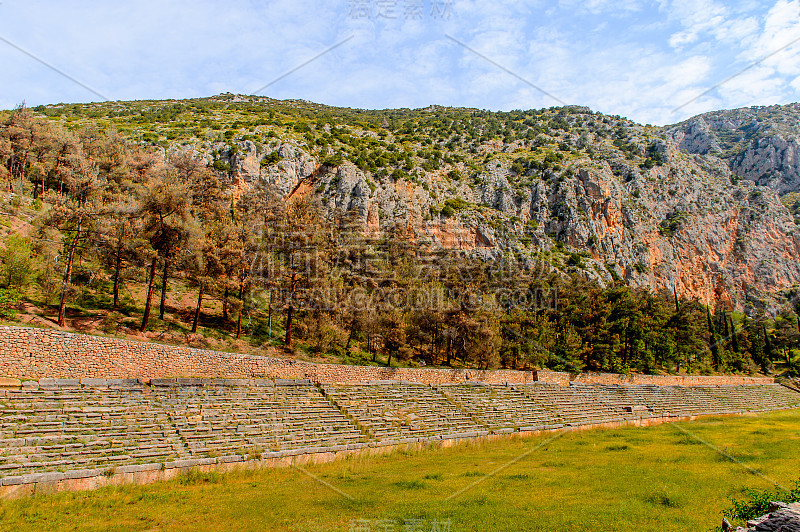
103 418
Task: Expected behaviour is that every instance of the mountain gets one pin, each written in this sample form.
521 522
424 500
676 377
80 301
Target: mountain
759 144
575 189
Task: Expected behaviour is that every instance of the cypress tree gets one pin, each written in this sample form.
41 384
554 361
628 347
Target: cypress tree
715 351
734 337
675 294
725 331
757 348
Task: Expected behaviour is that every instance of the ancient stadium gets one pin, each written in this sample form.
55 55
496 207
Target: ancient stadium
82 412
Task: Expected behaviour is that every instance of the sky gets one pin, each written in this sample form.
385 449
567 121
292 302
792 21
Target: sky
656 62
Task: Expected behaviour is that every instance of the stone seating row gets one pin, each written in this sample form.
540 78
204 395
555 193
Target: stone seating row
401 410
550 404
500 406
57 429
265 418
69 425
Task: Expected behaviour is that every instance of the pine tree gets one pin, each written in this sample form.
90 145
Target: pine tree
74 212
769 352
675 295
304 249
19 130
167 224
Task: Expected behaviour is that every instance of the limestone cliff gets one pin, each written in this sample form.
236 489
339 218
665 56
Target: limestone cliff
759 143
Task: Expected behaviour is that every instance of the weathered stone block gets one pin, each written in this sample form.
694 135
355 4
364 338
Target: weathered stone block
181 464
83 473
138 468
163 382
232 458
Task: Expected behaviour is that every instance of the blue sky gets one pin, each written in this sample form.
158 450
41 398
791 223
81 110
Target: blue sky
640 59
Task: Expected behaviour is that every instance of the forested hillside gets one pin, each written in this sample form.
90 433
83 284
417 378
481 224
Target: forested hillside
557 238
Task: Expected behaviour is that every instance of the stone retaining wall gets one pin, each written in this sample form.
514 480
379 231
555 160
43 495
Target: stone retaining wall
29 353
565 379
555 377
669 380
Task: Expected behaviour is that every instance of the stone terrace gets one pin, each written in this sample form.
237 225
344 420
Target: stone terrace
267 416
56 429
398 411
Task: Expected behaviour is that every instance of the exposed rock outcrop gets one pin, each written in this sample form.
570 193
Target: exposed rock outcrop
687 224
758 143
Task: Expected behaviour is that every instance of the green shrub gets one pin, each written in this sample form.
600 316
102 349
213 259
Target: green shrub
221 165
457 204
270 159
9 301
575 259
757 502
16 265
672 223
149 137
333 160
302 127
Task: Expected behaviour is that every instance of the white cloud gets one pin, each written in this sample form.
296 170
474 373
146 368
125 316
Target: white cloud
781 27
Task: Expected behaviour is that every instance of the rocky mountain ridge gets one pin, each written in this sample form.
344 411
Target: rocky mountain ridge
760 144
575 189
683 224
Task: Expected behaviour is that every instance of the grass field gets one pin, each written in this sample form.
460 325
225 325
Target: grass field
659 478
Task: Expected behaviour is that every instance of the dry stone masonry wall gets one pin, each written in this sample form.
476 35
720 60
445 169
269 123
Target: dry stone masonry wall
29 353
37 353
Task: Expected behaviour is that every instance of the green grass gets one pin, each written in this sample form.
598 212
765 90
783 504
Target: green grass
611 480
